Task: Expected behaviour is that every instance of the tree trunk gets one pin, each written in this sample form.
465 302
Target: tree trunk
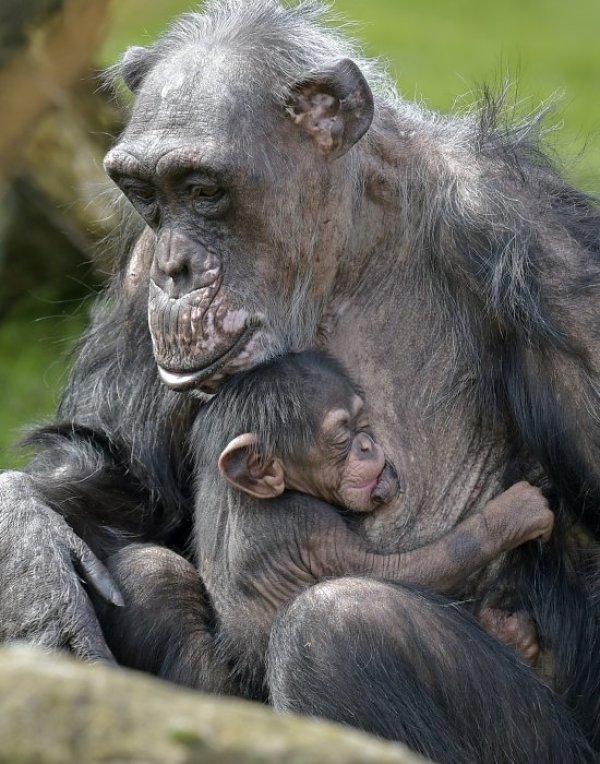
46 46
56 711
55 198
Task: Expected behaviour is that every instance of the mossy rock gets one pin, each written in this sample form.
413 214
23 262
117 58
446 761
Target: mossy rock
55 710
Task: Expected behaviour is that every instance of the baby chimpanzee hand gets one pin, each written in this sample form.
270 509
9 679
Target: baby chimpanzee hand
520 514
517 630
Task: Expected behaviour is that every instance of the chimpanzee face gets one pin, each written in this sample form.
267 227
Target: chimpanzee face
325 448
236 192
346 466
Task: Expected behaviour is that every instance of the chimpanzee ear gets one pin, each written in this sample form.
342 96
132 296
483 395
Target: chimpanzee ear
134 67
244 469
335 107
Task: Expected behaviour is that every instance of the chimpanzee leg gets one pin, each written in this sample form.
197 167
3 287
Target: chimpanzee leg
414 667
166 626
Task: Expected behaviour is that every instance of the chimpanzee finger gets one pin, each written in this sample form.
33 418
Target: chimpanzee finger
87 642
95 573
546 535
82 637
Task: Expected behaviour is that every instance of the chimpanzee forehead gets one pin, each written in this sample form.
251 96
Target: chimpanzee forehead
334 416
329 392
194 97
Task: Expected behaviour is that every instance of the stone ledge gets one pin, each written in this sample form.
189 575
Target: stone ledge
55 710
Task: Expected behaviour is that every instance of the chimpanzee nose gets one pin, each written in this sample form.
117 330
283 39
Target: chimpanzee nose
365 443
172 269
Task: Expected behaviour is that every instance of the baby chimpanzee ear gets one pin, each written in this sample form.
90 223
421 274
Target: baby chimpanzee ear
245 470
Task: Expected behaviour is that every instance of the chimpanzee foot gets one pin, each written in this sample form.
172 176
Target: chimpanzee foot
516 629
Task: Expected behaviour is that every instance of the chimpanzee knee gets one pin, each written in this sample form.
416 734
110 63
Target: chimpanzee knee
167 625
411 666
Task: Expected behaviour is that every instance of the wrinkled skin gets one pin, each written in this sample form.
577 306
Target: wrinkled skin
443 261
346 463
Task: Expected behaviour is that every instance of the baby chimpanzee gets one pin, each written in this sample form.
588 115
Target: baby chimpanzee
284 458
293 434
316 439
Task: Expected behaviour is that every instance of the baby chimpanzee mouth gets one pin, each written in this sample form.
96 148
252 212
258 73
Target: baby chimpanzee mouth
387 486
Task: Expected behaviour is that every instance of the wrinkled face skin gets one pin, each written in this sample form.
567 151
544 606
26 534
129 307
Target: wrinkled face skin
226 211
346 466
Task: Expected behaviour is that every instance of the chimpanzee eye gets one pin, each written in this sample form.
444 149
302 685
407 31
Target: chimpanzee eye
143 198
200 192
145 195
138 191
208 199
341 443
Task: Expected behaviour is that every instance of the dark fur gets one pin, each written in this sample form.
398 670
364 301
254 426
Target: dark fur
168 627
307 655
117 454
165 598
278 400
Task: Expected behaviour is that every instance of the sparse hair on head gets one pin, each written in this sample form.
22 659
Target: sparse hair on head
297 36
280 401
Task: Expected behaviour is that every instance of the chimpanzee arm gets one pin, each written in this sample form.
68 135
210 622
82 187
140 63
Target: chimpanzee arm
71 506
518 515
41 598
110 474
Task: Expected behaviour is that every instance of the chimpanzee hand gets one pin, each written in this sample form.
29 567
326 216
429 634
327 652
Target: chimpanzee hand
42 600
516 629
518 515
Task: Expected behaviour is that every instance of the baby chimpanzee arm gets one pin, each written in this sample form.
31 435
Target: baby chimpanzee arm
518 515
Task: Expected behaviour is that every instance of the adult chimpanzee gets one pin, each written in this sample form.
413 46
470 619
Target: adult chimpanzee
292 199
293 433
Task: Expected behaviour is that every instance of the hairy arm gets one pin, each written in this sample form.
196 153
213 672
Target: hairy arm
41 598
167 626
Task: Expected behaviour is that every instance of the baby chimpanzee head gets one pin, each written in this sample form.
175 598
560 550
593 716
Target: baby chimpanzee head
299 422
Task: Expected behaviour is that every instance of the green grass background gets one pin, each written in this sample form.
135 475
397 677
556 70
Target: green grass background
439 51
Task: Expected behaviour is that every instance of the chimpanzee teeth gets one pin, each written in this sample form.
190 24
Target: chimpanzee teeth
179 380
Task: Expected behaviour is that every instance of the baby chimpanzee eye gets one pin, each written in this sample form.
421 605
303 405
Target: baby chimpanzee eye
341 446
338 442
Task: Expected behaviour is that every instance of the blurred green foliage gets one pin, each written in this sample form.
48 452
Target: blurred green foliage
34 351
438 51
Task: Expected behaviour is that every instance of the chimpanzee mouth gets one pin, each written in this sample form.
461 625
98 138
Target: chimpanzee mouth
186 379
387 485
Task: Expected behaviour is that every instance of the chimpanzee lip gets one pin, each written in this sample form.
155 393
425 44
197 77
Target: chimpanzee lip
186 379
384 490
